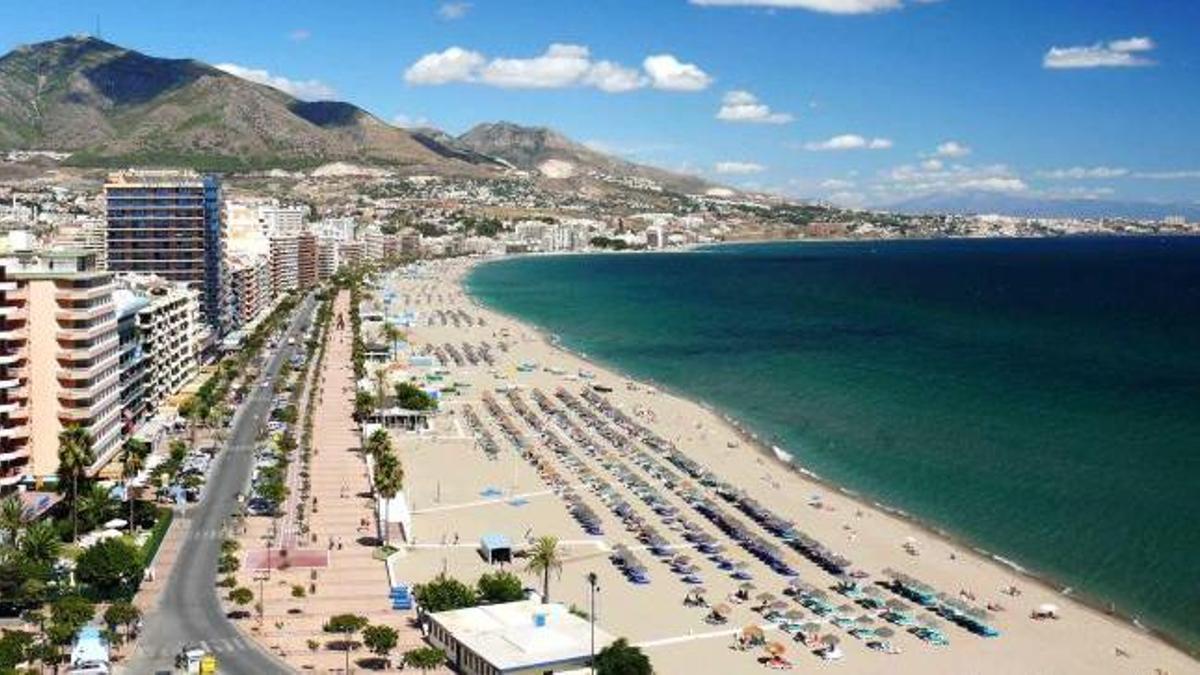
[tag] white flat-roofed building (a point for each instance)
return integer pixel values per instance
(514, 638)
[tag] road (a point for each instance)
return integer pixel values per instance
(188, 610)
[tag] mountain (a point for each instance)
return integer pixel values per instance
(1008, 204)
(114, 106)
(542, 150)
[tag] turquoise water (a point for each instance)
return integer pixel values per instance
(1039, 398)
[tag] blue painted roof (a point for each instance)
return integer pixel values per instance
(494, 541)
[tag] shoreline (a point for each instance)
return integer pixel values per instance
(1068, 594)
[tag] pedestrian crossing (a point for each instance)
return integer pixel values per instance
(171, 649)
(201, 534)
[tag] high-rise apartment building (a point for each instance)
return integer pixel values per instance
(249, 287)
(285, 260)
(169, 223)
(60, 361)
(169, 331)
(307, 261)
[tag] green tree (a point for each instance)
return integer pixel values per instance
(545, 557)
(194, 412)
(389, 480)
(12, 518)
(364, 403)
(133, 459)
(15, 646)
(424, 658)
(347, 625)
(381, 640)
(410, 397)
(241, 596)
(40, 545)
(622, 658)
(393, 334)
(111, 568)
(75, 455)
(500, 586)
(444, 593)
(96, 506)
(72, 611)
(122, 614)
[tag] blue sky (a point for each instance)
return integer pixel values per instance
(842, 99)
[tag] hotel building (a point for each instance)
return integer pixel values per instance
(169, 223)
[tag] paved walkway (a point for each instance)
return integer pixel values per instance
(299, 601)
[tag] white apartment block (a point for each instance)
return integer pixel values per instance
(170, 331)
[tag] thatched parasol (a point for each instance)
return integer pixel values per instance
(776, 648)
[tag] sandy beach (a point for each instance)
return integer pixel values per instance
(449, 476)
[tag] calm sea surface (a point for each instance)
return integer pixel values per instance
(1039, 398)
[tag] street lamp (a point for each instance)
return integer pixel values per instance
(592, 580)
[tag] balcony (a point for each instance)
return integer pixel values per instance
(14, 312)
(87, 373)
(76, 294)
(94, 331)
(8, 286)
(15, 334)
(12, 478)
(19, 293)
(9, 384)
(21, 453)
(81, 353)
(9, 359)
(84, 313)
(20, 431)
(9, 408)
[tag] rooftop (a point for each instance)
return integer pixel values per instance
(505, 635)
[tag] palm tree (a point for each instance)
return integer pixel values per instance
(133, 458)
(12, 518)
(389, 479)
(95, 504)
(75, 455)
(40, 544)
(192, 411)
(393, 334)
(544, 557)
(214, 418)
(380, 386)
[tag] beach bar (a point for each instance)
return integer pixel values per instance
(515, 638)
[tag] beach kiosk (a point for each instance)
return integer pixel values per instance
(495, 548)
(515, 638)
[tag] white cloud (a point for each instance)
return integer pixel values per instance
(849, 142)
(994, 184)
(1126, 53)
(299, 35)
(1168, 175)
(453, 65)
(742, 106)
(669, 73)
(409, 122)
(1079, 192)
(613, 77)
(304, 89)
(837, 184)
(952, 149)
(825, 6)
(740, 168)
(452, 11)
(1081, 172)
(932, 165)
(560, 66)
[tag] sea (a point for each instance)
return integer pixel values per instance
(1038, 399)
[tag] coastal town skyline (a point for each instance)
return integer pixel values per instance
(861, 103)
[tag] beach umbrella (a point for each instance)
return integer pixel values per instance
(793, 615)
(752, 632)
(779, 605)
(845, 609)
(765, 598)
(884, 632)
(811, 628)
(865, 620)
(873, 591)
(831, 640)
(896, 605)
(776, 648)
(747, 586)
(721, 610)
(699, 590)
